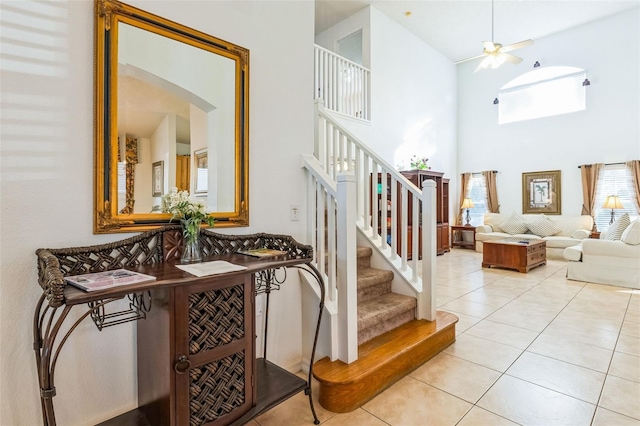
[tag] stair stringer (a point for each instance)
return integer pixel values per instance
(328, 344)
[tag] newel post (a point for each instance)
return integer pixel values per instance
(346, 269)
(427, 298)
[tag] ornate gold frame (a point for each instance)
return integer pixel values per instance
(107, 15)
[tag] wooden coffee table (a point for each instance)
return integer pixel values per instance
(514, 254)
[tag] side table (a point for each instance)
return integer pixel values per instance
(595, 234)
(457, 238)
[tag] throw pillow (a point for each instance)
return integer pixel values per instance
(631, 235)
(614, 233)
(542, 226)
(514, 225)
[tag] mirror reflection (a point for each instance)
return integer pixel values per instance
(167, 112)
(171, 111)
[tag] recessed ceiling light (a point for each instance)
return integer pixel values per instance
(407, 13)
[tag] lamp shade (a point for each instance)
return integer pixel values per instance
(612, 202)
(467, 204)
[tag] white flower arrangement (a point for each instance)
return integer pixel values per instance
(182, 207)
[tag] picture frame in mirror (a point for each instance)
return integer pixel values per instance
(157, 179)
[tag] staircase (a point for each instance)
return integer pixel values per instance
(379, 310)
(374, 336)
(391, 342)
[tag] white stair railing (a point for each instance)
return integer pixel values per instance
(344, 85)
(338, 151)
(332, 234)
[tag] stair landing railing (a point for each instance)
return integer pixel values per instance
(342, 84)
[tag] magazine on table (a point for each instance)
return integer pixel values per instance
(263, 252)
(108, 279)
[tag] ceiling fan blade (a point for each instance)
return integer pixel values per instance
(489, 46)
(511, 58)
(518, 45)
(486, 62)
(470, 59)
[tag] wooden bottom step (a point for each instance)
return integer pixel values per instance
(381, 362)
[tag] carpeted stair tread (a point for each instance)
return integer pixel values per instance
(364, 251)
(363, 256)
(380, 309)
(373, 283)
(368, 277)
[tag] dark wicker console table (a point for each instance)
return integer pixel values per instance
(196, 335)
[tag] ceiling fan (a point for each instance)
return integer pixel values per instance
(495, 54)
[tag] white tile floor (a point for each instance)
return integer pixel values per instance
(531, 349)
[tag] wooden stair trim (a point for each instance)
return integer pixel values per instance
(381, 362)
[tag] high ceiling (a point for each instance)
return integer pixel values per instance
(457, 28)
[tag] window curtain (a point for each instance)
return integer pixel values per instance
(464, 185)
(634, 166)
(590, 174)
(492, 191)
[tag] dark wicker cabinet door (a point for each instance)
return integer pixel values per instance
(214, 355)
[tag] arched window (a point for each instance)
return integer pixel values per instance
(542, 93)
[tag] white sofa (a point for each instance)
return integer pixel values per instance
(573, 229)
(607, 262)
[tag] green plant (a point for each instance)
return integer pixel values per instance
(419, 163)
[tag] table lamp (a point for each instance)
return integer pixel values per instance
(467, 204)
(612, 202)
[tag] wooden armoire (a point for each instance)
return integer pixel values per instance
(442, 208)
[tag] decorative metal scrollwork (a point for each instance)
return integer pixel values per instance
(139, 306)
(267, 280)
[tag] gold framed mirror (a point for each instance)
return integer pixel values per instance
(163, 92)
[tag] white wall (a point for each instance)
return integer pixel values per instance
(360, 20)
(607, 131)
(46, 182)
(413, 93)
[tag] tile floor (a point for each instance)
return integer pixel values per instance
(531, 349)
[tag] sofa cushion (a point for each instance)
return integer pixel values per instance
(581, 234)
(525, 237)
(614, 233)
(514, 225)
(490, 236)
(542, 226)
(573, 253)
(556, 241)
(612, 249)
(631, 235)
(570, 224)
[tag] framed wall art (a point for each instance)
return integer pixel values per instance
(157, 179)
(541, 192)
(202, 172)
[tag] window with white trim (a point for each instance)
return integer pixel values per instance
(477, 191)
(542, 93)
(614, 179)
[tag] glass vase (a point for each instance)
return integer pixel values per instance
(191, 241)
